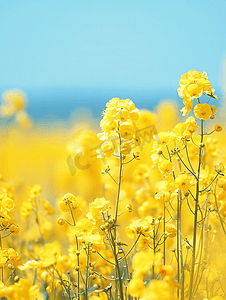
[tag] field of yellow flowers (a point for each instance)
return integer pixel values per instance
(133, 210)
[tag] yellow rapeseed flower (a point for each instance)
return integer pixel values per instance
(125, 148)
(165, 167)
(202, 111)
(193, 84)
(108, 148)
(70, 202)
(126, 130)
(183, 182)
(188, 103)
(97, 206)
(138, 227)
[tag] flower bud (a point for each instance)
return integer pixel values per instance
(60, 221)
(10, 266)
(159, 152)
(102, 227)
(217, 127)
(129, 208)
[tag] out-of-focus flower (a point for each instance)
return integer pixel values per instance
(23, 119)
(166, 271)
(35, 191)
(48, 207)
(158, 289)
(30, 264)
(143, 261)
(14, 100)
(22, 290)
(171, 231)
(14, 228)
(14, 103)
(136, 287)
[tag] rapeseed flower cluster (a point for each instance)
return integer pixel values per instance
(119, 118)
(136, 211)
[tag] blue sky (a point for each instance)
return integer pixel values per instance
(66, 54)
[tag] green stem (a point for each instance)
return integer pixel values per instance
(73, 219)
(178, 243)
(178, 231)
(198, 280)
(119, 186)
(180, 260)
(153, 266)
(87, 274)
(188, 158)
(62, 281)
(2, 271)
(180, 246)
(114, 236)
(37, 220)
(190, 295)
(127, 266)
(118, 279)
(134, 244)
(78, 281)
(164, 230)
